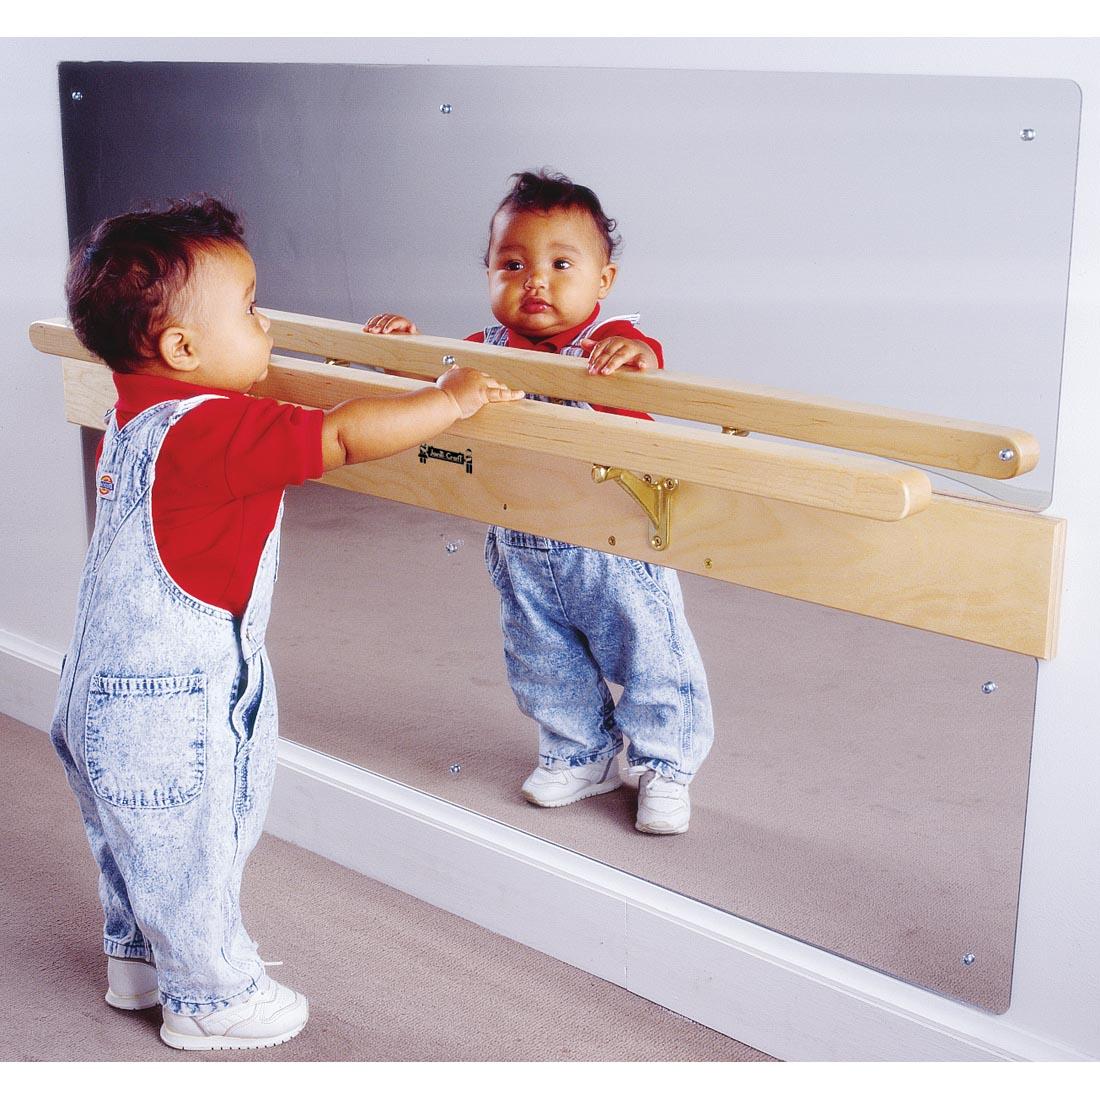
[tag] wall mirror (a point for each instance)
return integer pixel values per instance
(894, 240)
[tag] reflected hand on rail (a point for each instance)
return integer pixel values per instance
(390, 324)
(615, 352)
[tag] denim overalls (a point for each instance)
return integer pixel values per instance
(166, 723)
(574, 619)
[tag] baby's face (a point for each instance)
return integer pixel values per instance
(547, 270)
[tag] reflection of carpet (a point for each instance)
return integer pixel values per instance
(863, 794)
(389, 978)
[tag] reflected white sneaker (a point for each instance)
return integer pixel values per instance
(664, 805)
(561, 785)
(271, 1016)
(131, 984)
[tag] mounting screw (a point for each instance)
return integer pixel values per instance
(1027, 134)
(449, 360)
(707, 563)
(445, 108)
(77, 95)
(989, 687)
(968, 959)
(455, 769)
(610, 540)
(1007, 455)
(656, 542)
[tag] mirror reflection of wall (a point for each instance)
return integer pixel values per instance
(892, 240)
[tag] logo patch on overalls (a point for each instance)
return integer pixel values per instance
(106, 485)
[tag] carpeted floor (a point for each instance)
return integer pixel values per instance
(389, 978)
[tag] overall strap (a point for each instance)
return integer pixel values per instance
(497, 335)
(586, 334)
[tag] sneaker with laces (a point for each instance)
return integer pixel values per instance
(269, 1017)
(561, 784)
(664, 806)
(131, 984)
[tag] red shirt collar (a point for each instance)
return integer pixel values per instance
(138, 392)
(551, 343)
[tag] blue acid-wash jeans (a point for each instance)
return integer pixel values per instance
(575, 620)
(166, 723)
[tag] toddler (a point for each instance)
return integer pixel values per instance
(576, 619)
(166, 716)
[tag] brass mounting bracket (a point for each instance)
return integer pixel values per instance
(652, 493)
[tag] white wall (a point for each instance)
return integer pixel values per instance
(1057, 979)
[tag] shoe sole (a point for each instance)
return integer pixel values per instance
(132, 1003)
(600, 788)
(224, 1042)
(661, 828)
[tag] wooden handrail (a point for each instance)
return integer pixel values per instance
(919, 438)
(857, 486)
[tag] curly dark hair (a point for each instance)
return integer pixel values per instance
(126, 276)
(545, 191)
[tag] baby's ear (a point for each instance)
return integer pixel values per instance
(607, 279)
(175, 350)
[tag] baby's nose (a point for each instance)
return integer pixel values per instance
(536, 277)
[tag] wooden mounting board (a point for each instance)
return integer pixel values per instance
(975, 571)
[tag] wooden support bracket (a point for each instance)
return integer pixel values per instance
(654, 494)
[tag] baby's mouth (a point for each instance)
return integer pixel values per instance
(534, 305)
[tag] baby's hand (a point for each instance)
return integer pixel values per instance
(390, 324)
(470, 389)
(614, 352)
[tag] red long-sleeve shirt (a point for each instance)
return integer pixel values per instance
(220, 476)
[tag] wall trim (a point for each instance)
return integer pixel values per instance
(28, 679)
(23, 649)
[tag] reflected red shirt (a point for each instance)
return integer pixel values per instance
(554, 345)
(220, 476)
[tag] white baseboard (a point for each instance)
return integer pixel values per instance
(780, 996)
(28, 679)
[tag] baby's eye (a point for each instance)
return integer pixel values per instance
(513, 265)
(562, 265)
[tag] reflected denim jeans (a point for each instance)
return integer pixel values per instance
(575, 620)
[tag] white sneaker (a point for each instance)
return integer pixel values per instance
(561, 785)
(664, 805)
(271, 1016)
(131, 984)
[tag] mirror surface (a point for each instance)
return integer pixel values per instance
(892, 240)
